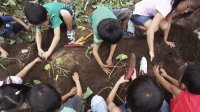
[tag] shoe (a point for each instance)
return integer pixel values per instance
(143, 66)
(71, 36)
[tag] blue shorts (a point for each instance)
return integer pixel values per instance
(140, 20)
(7, 19)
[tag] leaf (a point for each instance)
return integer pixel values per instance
(12, 42)
(122, 57)
(37, 82)
(87, 93)
(59, 61)
(47, 67)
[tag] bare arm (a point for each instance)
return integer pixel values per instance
(78, 84)
(171, 79)
(150, 33)
(96, 54)
(112, 51)
(38, 39)
(110, 100)
(20, 22)
(25, 70)
(168, 86)
(69, 94)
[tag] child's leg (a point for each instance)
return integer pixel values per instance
(24, 71)
(66, 14)
(98, 104)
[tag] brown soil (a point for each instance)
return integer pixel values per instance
(187, 50)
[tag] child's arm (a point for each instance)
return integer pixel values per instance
(69, 94)
(38, 39)
(54, 43)
(78, 84)
(4, 53)
(21, 22)
(112, 50)
(98, 59)
(150, 33)
(110, 100)
(168, 86)
(172, 80)
(24, 71)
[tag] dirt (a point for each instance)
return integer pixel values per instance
(187, 50)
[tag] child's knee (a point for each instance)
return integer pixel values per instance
(164, 25)
(65, 13)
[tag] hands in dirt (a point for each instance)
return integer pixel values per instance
(122, 80)
(43, 54)
(106, 69)
(159, 71)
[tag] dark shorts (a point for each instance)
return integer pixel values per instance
(73, 103)
(70, 11)
(140, 20)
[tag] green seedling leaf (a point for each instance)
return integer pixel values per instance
(47, 67)
(37, 82)
(122, 57)
(59, 61)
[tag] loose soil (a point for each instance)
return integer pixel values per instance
(187, 50)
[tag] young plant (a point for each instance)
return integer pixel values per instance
(47, 67)
(120, 58)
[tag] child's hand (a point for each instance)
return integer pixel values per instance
(27, 27)
(73, 91)
(40, 52)
(106, 69)
(122, 80)
(45, 55)
(134, 74)
(171, 44)
(163, 72)
(38, 59)
(156, 70)
(4, 54)
(75, 77)
(151, 53)
(109, 62)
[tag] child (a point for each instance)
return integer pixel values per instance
(143, 95)
(186, 93)
(50, 14)
(17, 79)
(149, 15)
(9, 26)
(12, 98)
(42, 92)
(107, 28)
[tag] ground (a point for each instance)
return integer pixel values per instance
(187, 50)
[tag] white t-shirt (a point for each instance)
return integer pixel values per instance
(150, 7)
(15, 80)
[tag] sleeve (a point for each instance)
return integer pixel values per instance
(7, 19)
(38, 27)
(14, 80)
(56, 21)
(163, 9)
(97, 40)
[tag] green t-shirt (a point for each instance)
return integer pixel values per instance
(66, 109)
(102, 12)
(53, 10)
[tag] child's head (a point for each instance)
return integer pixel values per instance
(144, 95)
(36, 14)
(188, 4)
(44, 98)
(191, 79)
(11, 96)
(110, 30)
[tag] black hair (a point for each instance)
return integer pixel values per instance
(12, 96)
(1, 22)
(110, 30)
(175, 4)
(144, 95)
(191, 79)
(35, 13)
(44, 98)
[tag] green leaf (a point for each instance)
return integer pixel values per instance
(122, 57)
(59, 61)
(87, 93)
(47, 67)
(37, 82)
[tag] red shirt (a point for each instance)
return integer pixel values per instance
(185, 102)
